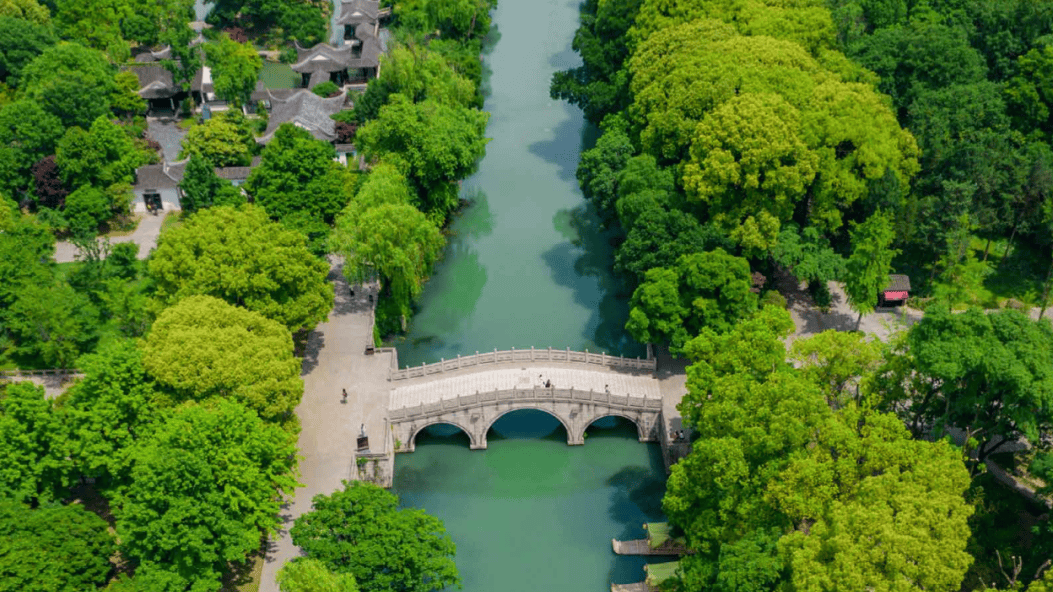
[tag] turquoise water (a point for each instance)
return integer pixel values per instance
(531, 513)
(528, 266)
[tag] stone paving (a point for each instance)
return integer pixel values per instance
(528, 377)
(335, 359)
(145, 235)
(166, 132)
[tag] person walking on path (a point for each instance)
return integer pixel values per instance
(345, 396)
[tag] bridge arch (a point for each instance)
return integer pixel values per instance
(637, 422)
(562, 421)
(411, 444)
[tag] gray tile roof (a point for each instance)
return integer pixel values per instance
(357, 11)
(322, 58)
(155, 82)
(159, 176)
(306, 110)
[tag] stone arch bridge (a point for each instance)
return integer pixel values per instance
(473, 393)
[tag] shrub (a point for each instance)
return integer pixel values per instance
(326, 89)
(86, 208)
(773, 298)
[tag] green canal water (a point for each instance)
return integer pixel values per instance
(527, 265)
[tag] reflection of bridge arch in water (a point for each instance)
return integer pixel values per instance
(474, 401)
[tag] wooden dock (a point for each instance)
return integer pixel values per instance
(637, 587)
(643, 547)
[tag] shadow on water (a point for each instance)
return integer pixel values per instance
(562, 149)
(422, 478)
(527, 424)
(583, 263)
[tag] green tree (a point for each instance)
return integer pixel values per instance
(598, 168)
(49, 78)
(311, 575)
(52, 323)
(53, 548)
(434, 144)
(708, 289)
(101, 156)
(20, 41)
(226, 140)
(202, 188)
(417, 73)
(87, 208)
(240, 256)
(988, 374)
(360, 530)
(206, 485)
(298, 173)
(107, 412)
(27, 134)
(28, 10)
(454, 18)
(659, 237)
(202, 348)
(807, 254)
(750, 162)
(600, 86)
(301, 20)
(235, 69)
(867, 269)
(835, 360)
(393, 241)
(31, 448)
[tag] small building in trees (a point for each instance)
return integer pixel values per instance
(897, 291)
(157, 86)
(157, 185)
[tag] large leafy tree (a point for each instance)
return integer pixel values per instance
(51, 77)
(867, 268)
(360, 530)
(106, 413)
(28, 133)
(206, 485)
(203, 348)
(598, 168)
(202, 188)
(434, 144)
(453, 18)
(303, 20)
(417, 73)
(380, 234)
(781, 490)
(52, 323)
(226, 139)
(28, 10)
(242, 257)
(659, 236)
(297, 173)
(21, 41)
(53, 548)
(988, 374)
(707, 289)
(750, 164)
(32, 460)
(235, 69)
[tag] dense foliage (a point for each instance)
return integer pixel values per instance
(361, 531)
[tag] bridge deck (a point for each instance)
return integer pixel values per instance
(449, 388)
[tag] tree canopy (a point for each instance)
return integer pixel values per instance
(235, 69)
(31, 450)
(49, 78)
(202, 348)
(53, 548)
(207, 483)
(360, 530)
(240, 256)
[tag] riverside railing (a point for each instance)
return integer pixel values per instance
(532, 395)
(525, 355)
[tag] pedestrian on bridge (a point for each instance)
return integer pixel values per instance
(344, 400)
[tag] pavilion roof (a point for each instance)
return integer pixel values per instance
(306, 110)
(898, 283)
(155, 81)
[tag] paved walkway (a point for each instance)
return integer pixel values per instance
(145, 235)
(166, 132)
(335, 359)
(486, 379)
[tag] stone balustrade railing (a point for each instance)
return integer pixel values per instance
(525, 355)
(532, 395)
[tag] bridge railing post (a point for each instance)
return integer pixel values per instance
(531, 353)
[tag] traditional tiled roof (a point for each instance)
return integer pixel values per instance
(322, 58)
(159, 176)
(898, 283)
(306, 110)
(358, 11)
(155, 82)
